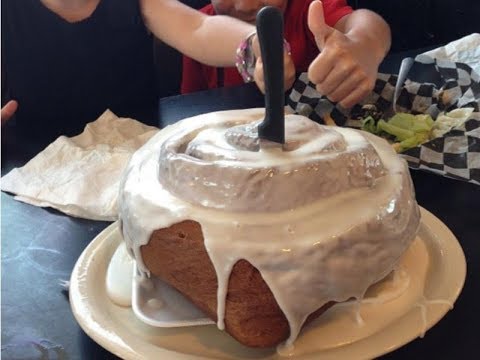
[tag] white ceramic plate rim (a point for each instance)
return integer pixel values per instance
(118, 340)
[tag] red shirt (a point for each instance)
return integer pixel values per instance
(197, 76)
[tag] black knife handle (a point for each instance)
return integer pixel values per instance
(270, 36)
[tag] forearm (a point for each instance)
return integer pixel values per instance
(367, 29)
(212, 40)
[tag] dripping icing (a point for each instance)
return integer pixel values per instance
(145, 206)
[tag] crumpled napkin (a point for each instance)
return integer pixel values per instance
(465, 50)
(80, 175)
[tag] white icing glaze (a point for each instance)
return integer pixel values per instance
(331, 249)
(222, 167)
(155, 304)
(423, 304)
(118, 282)
(384, 304)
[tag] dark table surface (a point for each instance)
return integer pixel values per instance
(40, 247)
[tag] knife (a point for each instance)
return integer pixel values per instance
(271, 131)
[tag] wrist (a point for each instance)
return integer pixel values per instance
(246, 59)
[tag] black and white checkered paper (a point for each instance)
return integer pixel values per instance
(456, 154)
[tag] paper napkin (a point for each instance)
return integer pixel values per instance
(80, 175)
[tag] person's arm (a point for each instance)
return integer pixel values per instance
(212, 40)
(346, 69)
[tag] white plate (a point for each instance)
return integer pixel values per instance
(118, 330)
(175, 310)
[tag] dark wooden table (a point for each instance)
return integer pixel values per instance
(41, 246)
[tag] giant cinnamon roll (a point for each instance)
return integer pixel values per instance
(265, 239)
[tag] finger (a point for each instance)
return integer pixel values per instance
(321, 66)
(316, 23)
(360, 92)
(347, 86)
(258, 75)
(336, 77)
(289, 71)
(8, 111)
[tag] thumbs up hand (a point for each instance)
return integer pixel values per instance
(345, 70)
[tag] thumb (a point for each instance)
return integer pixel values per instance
(316, 23)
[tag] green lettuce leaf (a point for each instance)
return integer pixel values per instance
(400, 133)
(411, 142)
(368, 124)
(406, 129)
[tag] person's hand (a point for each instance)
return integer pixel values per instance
(8, 111)
(345, 71)
(288, 68)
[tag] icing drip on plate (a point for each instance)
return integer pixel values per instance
(322, 219)
(401, 292)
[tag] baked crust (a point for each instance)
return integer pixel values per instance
(177, 255)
